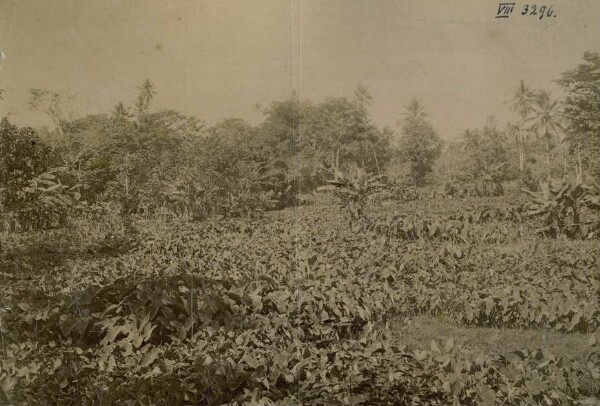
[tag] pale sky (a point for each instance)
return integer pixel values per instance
(219, 58)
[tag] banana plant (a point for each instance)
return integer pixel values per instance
(356, 190)
(560, 204)
(186, 196)
(47, 200)
(489, 183)
(591, 200)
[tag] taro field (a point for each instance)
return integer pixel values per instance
(423, 304)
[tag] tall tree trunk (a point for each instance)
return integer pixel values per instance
(548, 158)
(362, 157)
(579, 168)
(376, 161)
(521, 157)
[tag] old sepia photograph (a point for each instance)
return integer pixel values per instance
(299, 202)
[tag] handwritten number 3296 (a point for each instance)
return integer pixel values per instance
(543, 11)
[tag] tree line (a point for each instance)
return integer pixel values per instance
(161, 162)
(548, 139)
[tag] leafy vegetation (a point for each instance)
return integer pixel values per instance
(563, 208)
(293, 312)
(149, 259)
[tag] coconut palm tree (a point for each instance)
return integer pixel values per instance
(521, 133)
(523, 103)
(145, 96)
(470, 140)
(415, 110)
(546, 122)
(572, 143)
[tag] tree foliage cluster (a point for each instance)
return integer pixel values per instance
(161, 162)
(480, 159)
(581, 107)
(420, 145)
(166, 163)
(549, 138)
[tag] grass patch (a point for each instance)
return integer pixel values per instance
(420, 330)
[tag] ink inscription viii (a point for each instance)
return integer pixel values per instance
(538, 11)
